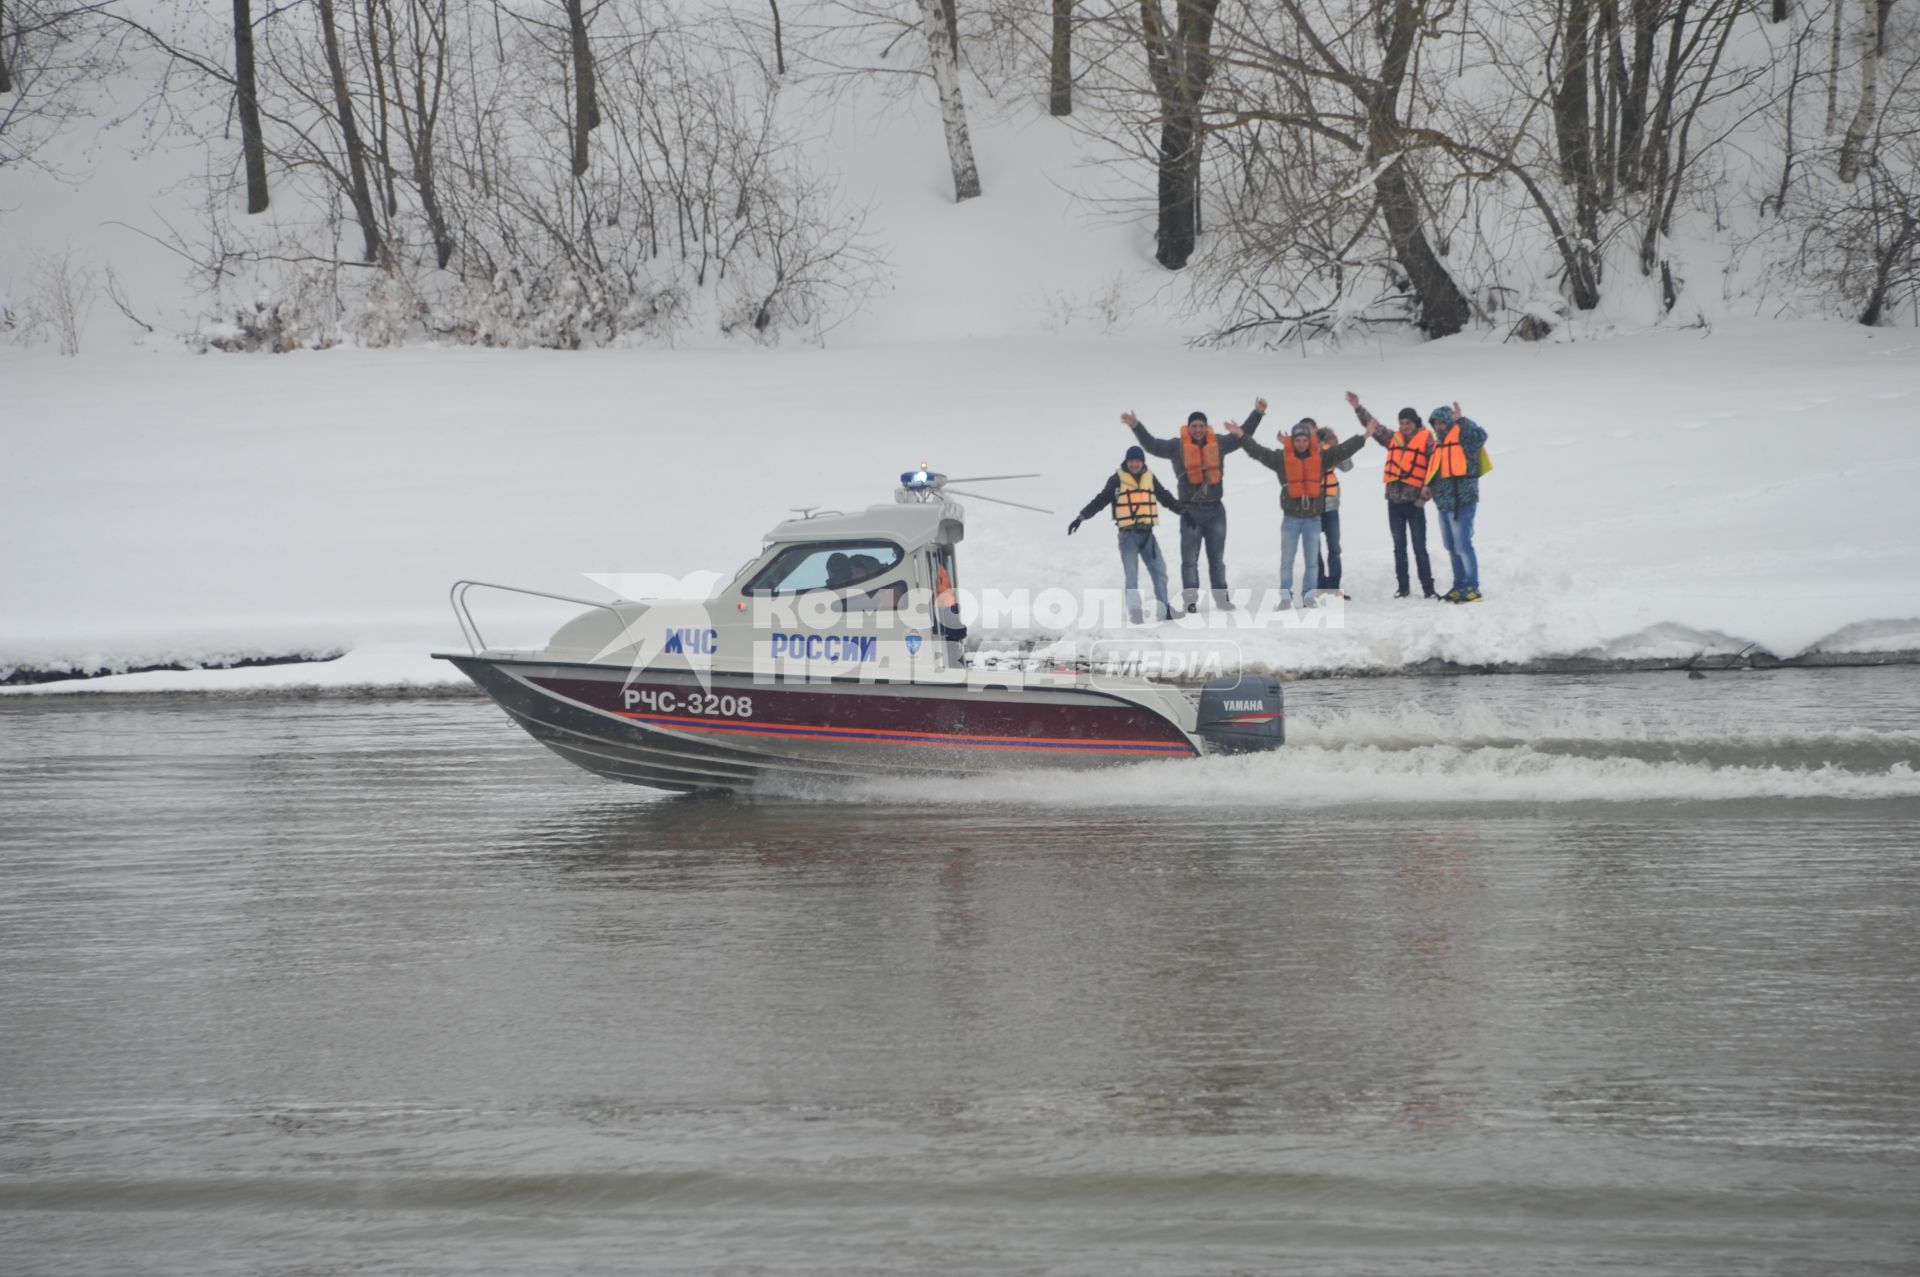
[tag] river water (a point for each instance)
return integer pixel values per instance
(1479, 975)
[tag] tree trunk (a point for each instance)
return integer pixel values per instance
(1833, 70)
(1633, 106)
(779, 41)
(586, 100)
(1060, 80)
(1786, 160)
(1178, 231)
(385, 178)
(953, 109)
(1572, 121)
(358, 191)
(1862, 123)
(1180, 64)
(426, 111)
(1443, 307)
(253, 149)
(6, 77)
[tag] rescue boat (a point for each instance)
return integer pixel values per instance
(836, 652)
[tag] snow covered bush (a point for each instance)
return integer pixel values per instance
(60, 296)
(507, 176)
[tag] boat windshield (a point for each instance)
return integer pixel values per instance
(824, 565)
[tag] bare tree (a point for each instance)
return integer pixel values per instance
(1060, 61)
(53, 55)
(953, 109)
(247, 101)
(1179, 65)
(1861, 125)
(1304, 61)
(358, 189)
(586, 110)
(1443, 308)
(417, 66)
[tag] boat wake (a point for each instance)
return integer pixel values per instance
(1409, 756)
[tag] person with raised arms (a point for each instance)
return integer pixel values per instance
(1302, 466)
(1409, 453)
(1199, 456)
(1136, 497)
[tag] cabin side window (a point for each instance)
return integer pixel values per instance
(830, 565)
(946, 599)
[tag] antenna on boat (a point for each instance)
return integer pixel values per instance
(1018, 505)
(926, 485)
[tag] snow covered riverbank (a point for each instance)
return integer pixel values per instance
(1655, 495)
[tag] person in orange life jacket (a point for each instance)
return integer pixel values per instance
(1409, 450)
(1302, 466)
(1136, 497)
(1198, 454)
(1330, 521)
(1453, 479)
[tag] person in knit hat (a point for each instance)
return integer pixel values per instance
(1198, 455)
(1409, 453)
(1302, 465)
(1453, 479)
(1136, 497)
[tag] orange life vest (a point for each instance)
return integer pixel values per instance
(1408, 458)
(1306, 476)
(1134, 505)
(1449, 456)
(943, 586)
(1202, 459)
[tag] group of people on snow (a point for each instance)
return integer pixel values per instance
(1438, 461)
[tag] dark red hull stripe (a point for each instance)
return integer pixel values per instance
(740, 727)
(1094, 724)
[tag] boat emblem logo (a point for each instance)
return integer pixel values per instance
(913, 644)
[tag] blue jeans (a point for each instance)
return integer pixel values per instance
(1301, 534)
(1330, 565)
(1138, 545)
(1456, 533)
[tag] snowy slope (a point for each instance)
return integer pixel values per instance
(1653, 495)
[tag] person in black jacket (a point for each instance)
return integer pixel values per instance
(1302, 464)
(1136, 497)
(1197, 455)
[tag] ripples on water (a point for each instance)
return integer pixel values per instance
(1484, 975)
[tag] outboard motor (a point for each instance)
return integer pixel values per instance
(1242, 714)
